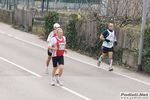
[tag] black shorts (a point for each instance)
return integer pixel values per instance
(59, 59)
(105, 49)
(49, 53)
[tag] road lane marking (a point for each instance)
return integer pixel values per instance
(3, 32)
(9, 34)
(29, 42)
(86, 62)
(20, 67)
(73, 92)
(132, 78)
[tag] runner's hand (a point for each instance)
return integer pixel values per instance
(106, 40)
(55, 48)
(65, 51)
(116, 42)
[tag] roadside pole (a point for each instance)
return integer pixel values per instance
(142, 35)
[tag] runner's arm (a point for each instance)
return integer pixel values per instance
(66, 51)
(50, 36)
(102, 37)
(115, 39)
(53, 42)
(65, 43)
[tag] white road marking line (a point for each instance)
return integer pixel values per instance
(73, 92)
(20, 67)
(30, 42)
(9, 34)
(88, 63)
(132, 78)
(85, 62)
(3, 32)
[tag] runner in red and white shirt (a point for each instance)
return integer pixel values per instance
(50, 36)
(57, 45)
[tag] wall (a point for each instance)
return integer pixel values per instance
(23, 16)
(6, 15)
(129, 58)
(88, 28)
(120, 35)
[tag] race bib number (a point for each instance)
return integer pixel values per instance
(110, 43)
(61, 46)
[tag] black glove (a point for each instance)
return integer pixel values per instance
(106, 40)
(115, 42)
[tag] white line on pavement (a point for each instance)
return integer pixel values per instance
(9, 34)
(79, 95)
(3, 32)
(132, 78)
(20, 67)
(30, 43)
(87, 63)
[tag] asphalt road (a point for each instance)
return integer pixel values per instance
(23, 77)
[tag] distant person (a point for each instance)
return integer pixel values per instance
(50, 36)
(109, 38)
(57, 45)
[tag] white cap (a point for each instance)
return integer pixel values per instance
(56, 25)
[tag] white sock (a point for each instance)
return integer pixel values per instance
(57, 71)
(58, 77)
(100, 58)
(52, 78)
(110, 61)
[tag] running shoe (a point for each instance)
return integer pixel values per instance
(52, 82)
(110, 69)
(98, 64)
(59, 82)
(47, 71)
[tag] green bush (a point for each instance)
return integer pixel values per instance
(71, 34)
(50, 19)
(146, 49)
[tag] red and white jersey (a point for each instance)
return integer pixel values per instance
(60, 44)
(51, 35)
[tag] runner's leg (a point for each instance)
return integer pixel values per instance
(61, 66)
(57, 71)
(60, 70)
(110, 60)
(53, 71)
(54, 59)
(102, 56)
(48, 60)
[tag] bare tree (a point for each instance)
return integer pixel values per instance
(119, 12)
